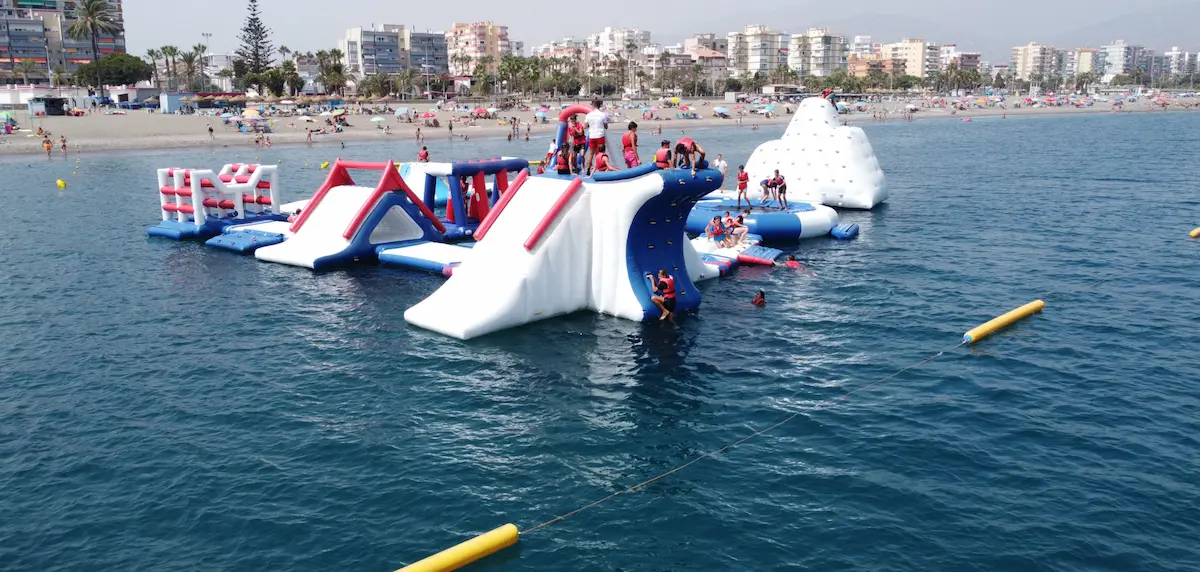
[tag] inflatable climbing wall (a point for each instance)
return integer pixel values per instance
(822, 160)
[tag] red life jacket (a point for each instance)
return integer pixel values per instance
(578, 134)
(662, 158)
(423, 155)
(743, 178)
(716, 230)
(602, 162)
(688, 144)
(793, 264)
(669, 291)
(563, 165)
(627, 141)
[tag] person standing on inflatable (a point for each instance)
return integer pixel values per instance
(743, 181)
(780, 189)
(629, 146)
(597, 123)
(662, 157)
(578, 134)
(664, 286)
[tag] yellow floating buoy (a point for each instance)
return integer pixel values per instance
(62, 184)
(1195, 233)
(458, 556)
(325, 165)
(991, 326)
(74, 172)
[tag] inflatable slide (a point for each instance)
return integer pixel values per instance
(556, 245)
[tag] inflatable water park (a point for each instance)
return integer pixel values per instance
(542, 245)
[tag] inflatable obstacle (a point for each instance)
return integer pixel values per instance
(198, 203)
(823, 161)
(559, 245)
(800, 220)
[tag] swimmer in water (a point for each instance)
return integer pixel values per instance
(794, 264)
(760, 299)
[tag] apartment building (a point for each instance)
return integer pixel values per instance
(1032, 59)
(368, 51)
(756, 49)
(863, 46)
(921, 58)
(817, 52)
(613, 42)
(426, 51)
(709, 41)
(863, 66)
(1118, 58)
(35, 30)
(1178, 62)
(467, 44)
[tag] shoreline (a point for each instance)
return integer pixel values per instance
(94, 134)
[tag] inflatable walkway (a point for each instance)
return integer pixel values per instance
(555, 245)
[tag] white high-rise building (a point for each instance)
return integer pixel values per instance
(1033, 59)
(1117, 58)
(817, 52)
(756, 49)
(1179, 62)
(617, 41)
(367, 51)
(862, 46)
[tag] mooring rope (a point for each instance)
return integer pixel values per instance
(778, 424)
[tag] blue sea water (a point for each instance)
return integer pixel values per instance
(164, 405)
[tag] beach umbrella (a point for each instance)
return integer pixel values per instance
(540, 114)
(226, 115)
(654, 108)
(377, 119)
(721, 110)
(480, 111)
(250, 113)
(402, 111)
(304, 118)
(339, 112)
(543, 109)
(684, 108)
(428, 114)
(287, 102)
(675, 100)
(492, 110)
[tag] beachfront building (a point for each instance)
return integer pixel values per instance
(874, 64)
(714, 65)
(756, 49)
(426, 51)
(1178, 62)
(949, 54)
(468, 44)
(922, 59)
(35, 31)
(612, 42)
(863, 46)
(1079, 61)
(1118, 58)
(1032, 59)
(368, 51)
(817, 52)
(708, 41)
(658, 63)
(567, 47)
(516, 48)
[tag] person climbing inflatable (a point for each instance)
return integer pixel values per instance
(665, 288)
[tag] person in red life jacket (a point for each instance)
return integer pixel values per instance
(735, 232)
(780, 190)
(629, 146)
(794, 264)
(423, 156)
(768, 191)
(728, 220)
(662, 157)
(715, 230)
(760, 299)
(690, 154)
(743, 181)
(578, 134)
(603, 163)
(664, 286)
(563, 163)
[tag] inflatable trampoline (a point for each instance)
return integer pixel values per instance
(800, 220)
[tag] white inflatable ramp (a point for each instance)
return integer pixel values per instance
(436, 257)
(321, 235)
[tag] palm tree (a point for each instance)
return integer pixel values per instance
(188, 59)
(25, 68)
(92, 18)
(284, 52)
(169, 54)
(153, 55)
(225, 74)
(200, 50)
(60, 76)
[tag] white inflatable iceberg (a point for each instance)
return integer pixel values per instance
(821, 160)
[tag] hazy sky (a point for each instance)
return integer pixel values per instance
(992, 28)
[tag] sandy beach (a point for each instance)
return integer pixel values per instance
(144, 130)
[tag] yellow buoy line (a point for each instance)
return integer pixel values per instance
(500, 538)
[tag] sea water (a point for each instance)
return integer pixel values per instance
(168, 405)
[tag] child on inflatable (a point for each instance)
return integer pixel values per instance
(664, 286)
(743, 180)
(715, 230)
(736, 232)
(662, 157)
(603, 163)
